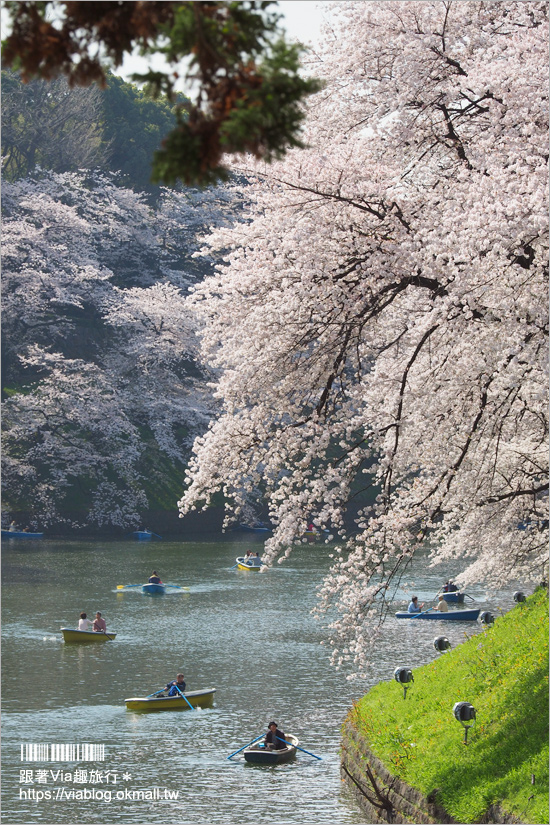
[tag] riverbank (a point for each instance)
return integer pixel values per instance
(406, 759)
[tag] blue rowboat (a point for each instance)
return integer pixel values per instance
(151, 589)
(252, 528)
(450, 616)
(142, 535)
(454, 598)
(20, 534)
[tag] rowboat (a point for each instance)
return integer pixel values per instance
(20, 534)
(260, 755)
(142, 535)
(197, 698)
(252, 528)
(87, 636)
(152, 589)
(315, 535)
(242, 564)
(450, 616)
(454, 598)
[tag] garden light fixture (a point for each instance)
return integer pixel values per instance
(519, 596)
(441, 644)
(403, 675)
(465, 712)
(486, 617)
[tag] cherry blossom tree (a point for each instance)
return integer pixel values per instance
(99, 369)
(69, 438)
(380, 322)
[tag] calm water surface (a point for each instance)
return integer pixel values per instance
(249, 635)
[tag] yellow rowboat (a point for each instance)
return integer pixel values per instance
(197, 698)
(87, 636)
(242, 564)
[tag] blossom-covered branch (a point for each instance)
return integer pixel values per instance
(380, 322)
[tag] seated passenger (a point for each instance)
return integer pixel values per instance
(154, 578)
(84, 623)
(413, 606)
(441, 605)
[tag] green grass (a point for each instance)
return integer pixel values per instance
(503, 672)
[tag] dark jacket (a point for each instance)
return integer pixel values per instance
(275, 739)
(154, 580)
(173, 690)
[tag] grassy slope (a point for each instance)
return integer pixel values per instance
(503, 672)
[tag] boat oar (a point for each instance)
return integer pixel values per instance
(298, 747)
(416, 615)
(155, 694)
(185, 697)
(155, 534)
(123, 586)
(167, 584)
(246, 746)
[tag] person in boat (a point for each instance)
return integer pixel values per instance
(99, 625)
(13, 527)
(154, 578)
(449, 587)
(174, 688)
(84, 623)
(255, 559)
(441, 605)
(414, 607)
(273, 738)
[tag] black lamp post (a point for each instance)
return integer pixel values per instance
(465, 712)
(519, 596)
(486, 617)
(403, 675)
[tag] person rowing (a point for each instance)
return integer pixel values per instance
(177, 687)
(99, 625)
(154, 578)
(273, 738)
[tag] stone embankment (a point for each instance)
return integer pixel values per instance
(384, 797)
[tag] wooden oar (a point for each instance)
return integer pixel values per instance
(185, 697)
(298, 747)
(246, 746)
